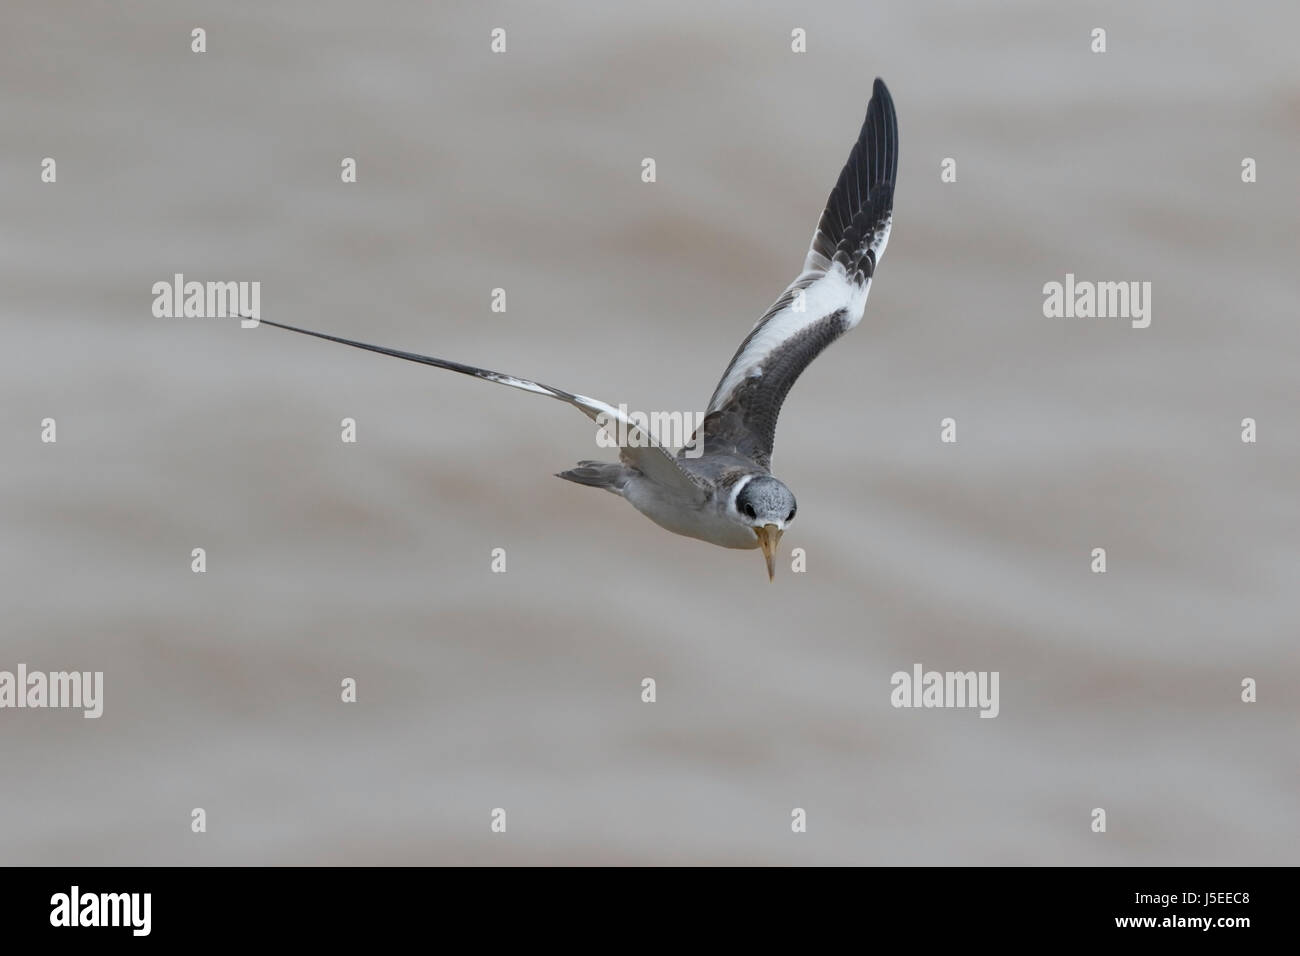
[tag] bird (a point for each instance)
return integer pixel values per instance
(719, 487)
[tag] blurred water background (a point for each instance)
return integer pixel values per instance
(522, 690)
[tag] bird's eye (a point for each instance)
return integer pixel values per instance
(790, 516)
(749, 511)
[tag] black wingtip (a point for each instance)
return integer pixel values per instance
(881, 125)
(863, 196)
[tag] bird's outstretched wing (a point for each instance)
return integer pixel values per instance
(636, 447)
(822, 304)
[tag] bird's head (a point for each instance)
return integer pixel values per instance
(766, 507)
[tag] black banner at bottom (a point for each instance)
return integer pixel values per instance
(304, 905)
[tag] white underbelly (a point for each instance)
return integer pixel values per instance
(681, 517)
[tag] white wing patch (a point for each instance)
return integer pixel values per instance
(522, 383)
(826, 287)
(829, 293)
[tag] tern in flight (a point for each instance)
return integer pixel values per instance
(720, 488)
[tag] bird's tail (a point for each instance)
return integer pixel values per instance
(598, 474)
